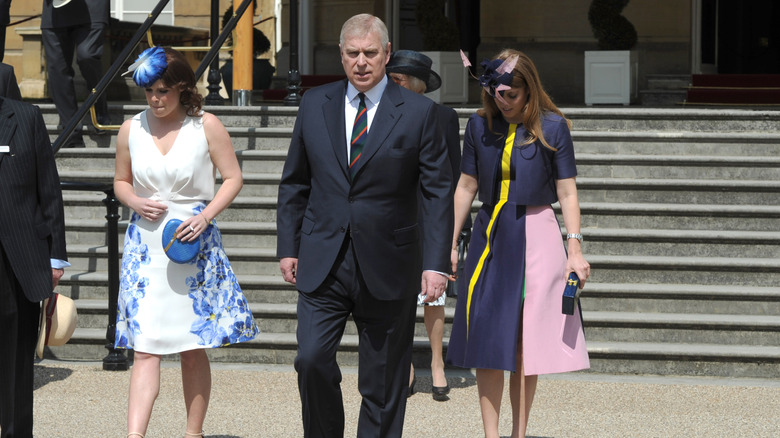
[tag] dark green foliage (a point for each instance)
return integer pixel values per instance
(438, 32)
(613, 30)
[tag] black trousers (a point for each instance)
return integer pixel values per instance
(59, 45)
(18, 336)
(385, 329)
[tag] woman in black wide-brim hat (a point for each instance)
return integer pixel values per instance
(412, 70)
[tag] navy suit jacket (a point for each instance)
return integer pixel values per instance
(32, 225)
(319, 204)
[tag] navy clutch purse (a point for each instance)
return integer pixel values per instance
(175, 249)
(570, 294)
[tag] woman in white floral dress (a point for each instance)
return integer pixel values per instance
(165, 168)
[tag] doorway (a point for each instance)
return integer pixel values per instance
(736, 37)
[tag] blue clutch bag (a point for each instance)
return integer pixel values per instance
(571, 294)
(175, 249)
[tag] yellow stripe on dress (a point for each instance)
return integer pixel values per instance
(506, 159)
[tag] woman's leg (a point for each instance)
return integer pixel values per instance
(434, 324)
(144, 387)
(490, 385)
(521, 393)
(196, 380)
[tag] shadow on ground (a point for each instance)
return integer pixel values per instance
(45, 375)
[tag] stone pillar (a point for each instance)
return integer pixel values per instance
(32, 78)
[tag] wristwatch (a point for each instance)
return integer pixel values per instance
(577, 236)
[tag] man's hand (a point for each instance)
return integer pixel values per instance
(289, 266)
(56, 274)
(433, 285)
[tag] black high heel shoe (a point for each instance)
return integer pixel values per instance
(411, 387)
(440, 392)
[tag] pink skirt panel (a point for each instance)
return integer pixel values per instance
(552, 341)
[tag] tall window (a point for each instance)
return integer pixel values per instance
(138, 11)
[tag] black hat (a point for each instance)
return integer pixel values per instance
(414, 64)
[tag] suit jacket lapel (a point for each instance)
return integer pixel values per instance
(7, 126)
(387, 115)
(333, 111)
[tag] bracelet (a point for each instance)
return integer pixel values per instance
(204, 218)
(577, 236)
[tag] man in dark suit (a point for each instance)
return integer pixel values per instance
(65, 26)
(348, 236)
(32, 253)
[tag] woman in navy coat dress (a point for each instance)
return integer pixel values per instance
(518, 153)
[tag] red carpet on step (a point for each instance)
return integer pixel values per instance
(735, 89)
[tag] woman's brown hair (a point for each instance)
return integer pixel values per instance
(179, 75)
(537, 103)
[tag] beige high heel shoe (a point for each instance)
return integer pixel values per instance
(200, 434)
(134, 434)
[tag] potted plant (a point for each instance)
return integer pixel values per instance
(610, 72)
(262, 70)
(441, 44)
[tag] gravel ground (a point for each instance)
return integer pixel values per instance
(79, 399)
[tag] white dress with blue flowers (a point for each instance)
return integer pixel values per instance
(165, 307)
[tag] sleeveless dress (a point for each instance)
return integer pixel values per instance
(514, 273)
(165, 307)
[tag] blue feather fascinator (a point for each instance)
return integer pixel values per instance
(149, 67)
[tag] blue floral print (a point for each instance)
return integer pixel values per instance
(132, 287)
(216, 295)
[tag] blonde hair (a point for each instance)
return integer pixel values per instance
(538, 101)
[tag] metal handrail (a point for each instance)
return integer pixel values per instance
(116, 359)
(109, 76)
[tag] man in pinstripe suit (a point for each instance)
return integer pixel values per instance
(32, 253)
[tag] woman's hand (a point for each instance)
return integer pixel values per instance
(149, 209)
(192, 228)
(576, 263)
(454, 261)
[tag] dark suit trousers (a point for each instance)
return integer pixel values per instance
(386, 330)
(59, 44)
(18, 335)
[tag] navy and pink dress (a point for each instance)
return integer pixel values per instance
(516, 265)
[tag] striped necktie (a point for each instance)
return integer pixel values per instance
(359, 134)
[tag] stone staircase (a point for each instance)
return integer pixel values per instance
(680, 208)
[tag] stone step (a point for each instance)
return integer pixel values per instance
(670, 119)
(709, 191)
(255, 261)
(681, 298)
(255, 184)
(93, 285)
(678, 216)
(263, 261)
(678, 166)
(682, 143)
(260, 209)
(589, 119)
(731, 271)
(99, 159)
(734, 361)
(234, 234)
(258, 116)
(605, 326)
(667, 81)
(707, 359)
(690, 243)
